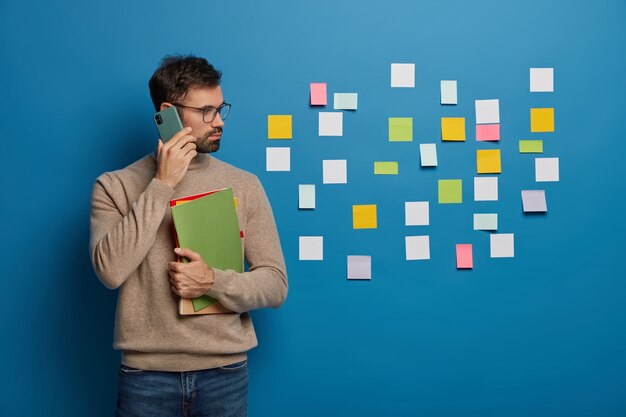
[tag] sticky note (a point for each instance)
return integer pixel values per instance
(364, 216)
(547, 169)
(488, 132)
(416, 213)
(534, 201)
(502, 245)
(453, 128)
(488, 161)
(359, 267)
(487, 111)
(485, 221)
(346, 101)
(541, 80)
(318, 94)
(403, 75)
(417, 248)
(306, 194)
(330, 123)
(448, 92)
(386, 168)
(464, 256)
(400, 129)
(530, 146)
(279, 126)
(428, 154)
(278, 159)
(311, 248)
(485, 188)
(542, 120)
(450, 191)
(335, 171)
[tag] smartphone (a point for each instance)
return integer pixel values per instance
(168, 123)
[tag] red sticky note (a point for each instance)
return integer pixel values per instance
(318, 94)
(488, 132)
(464, 256)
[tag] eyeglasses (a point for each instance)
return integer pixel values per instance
(209, 112)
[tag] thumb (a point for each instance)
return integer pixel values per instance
(159, 146)
(188, 253)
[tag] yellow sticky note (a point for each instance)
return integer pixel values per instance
(364, 217)
(542, 120)
(453, 128)
(279, 126)
(488, 161)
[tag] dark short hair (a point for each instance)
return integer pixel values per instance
(177, 74)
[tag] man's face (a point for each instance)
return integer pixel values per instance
(208, 134)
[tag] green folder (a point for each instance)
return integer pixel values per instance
(209, 226)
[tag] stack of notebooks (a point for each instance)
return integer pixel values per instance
(207, 224)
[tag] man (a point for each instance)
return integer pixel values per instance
(175, 365)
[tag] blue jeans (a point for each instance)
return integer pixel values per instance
(219, 392)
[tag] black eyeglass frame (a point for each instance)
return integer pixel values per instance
(205, 110)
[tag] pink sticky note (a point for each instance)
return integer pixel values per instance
(464, 256)
(487, 132)
(318, 94)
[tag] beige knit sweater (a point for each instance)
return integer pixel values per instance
(132, 242)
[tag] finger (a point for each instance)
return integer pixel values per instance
(178, 136)
(175, 291)
(189, 146)
(174, 266)
(159, 146)
(188, 253)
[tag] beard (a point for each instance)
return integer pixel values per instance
(205, 145)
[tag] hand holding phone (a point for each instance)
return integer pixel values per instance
(173, 156)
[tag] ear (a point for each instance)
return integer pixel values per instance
(165, 105)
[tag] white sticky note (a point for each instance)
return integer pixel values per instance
(542, 80)
(448, 92)
(330, 123)
(306, 194)
(311, 248)
(534, 201)
(416, 213)
(417, 248)
(359, 267)
(487, 111)
(485, 221)
(485, 188)
(346, 101)
(502, 245)
(428, 154)
(546, 169)
(278, 159)
(403, 75)
(335, 171)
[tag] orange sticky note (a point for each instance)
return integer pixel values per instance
(453, 128)
(364, 216)
(542, 120)
(488, 161)
(279, 126)
(318, 94)
(464, 258)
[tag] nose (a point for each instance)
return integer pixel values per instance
(218, 121)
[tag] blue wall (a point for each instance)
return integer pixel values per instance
(540, 334)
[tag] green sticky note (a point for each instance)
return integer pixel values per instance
(346, 101)
(400, 129)
(485, 221)
(386, 168)
(530, 146)
(450, 192)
